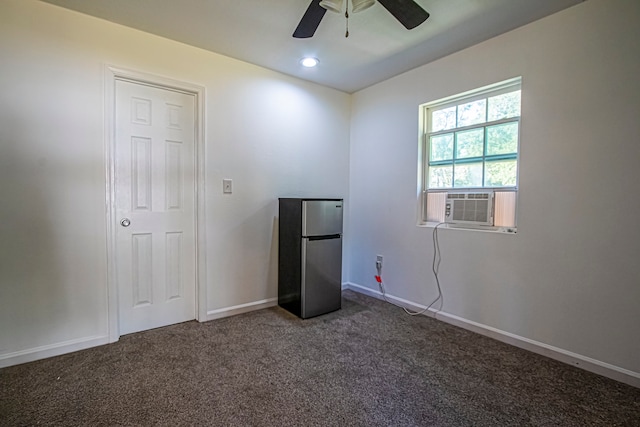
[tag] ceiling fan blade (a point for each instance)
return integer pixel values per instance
(408, 12)
(310, 20)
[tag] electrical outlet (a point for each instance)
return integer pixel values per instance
(379, 262)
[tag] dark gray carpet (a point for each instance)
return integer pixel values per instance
(368, 364)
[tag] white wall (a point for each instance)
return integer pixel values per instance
(569, 278)
(272, 134)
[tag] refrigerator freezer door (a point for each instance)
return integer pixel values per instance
(321, 217)
(321, 276)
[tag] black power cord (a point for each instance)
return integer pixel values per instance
(435, 266)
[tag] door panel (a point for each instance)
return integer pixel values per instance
(155, 191)
(141, 270)
(321, 276)
(321, 217)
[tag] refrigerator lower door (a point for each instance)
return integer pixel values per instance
(321, 276)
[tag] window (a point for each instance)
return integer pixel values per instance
(471, 142)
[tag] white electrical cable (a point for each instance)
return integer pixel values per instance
(435, 266)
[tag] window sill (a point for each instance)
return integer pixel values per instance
(484, 229)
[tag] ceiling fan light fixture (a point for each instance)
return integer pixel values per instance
(309, 62)
(332, 5)
(360, 5)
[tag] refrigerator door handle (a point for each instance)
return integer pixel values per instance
(330, 236)
(303, 277)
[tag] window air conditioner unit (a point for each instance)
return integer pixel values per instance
(469, 208)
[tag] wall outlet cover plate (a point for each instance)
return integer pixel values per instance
(227, 186)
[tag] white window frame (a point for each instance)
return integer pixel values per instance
(510, 193)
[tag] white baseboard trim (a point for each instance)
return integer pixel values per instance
(43, 352)
(592, 365)
(242, 308)
(57, 349)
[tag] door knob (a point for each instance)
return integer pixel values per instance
(125, 222)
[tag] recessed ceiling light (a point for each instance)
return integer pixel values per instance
(309, 62)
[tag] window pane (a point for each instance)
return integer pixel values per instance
(502, 139)
(443, 119)
(468, 175)
(501, 173)
(441, 147)
(472, 113)
(504, 106)
(470, 143)
(440, 176)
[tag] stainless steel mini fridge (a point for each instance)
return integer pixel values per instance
(310, 256)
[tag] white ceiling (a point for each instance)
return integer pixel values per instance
(378, 46)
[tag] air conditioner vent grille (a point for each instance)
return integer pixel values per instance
(482, 196)
(469, 208)
(479, 196)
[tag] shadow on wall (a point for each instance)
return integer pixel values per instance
(245, 255)
(33, 299)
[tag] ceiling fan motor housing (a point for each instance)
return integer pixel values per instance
(332, 5)
(356, 5)
(360, 5)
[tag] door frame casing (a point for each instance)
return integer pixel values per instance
(111, 75)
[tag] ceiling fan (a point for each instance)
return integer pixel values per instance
(408, 12)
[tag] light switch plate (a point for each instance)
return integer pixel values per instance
(227, 186)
